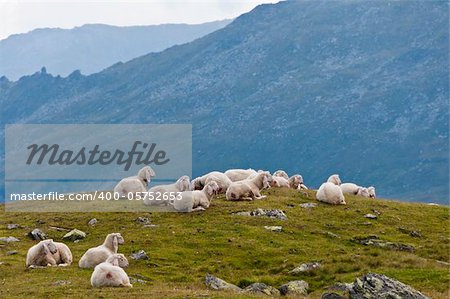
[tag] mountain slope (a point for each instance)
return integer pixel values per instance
(358, 88)
(91, 48)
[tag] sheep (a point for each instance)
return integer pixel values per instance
(330, 193)
(279, 181)
(94, 256)
(296, 181)
(334, 179)
(182, 184)
(249, 189)
(372, 193)
(197, 200)
(364, 192)
(281, 173)
(135, 184)
(110, 273)
(239, 174)
(351, 188)
(221, 179)
(49, 253)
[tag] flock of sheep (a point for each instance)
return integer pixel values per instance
(195, 195)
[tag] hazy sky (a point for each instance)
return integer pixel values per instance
(22, 16)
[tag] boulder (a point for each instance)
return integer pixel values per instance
(37, 234)
(92, 222)
(219, 284)
(74, 235)
(306, 267)
(296, 287)
(140, 255)
(261, 288)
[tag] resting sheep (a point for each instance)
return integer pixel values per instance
(49, 253)
(236, 175)
(197, 200)
(330, 193)
(221, 179)
(182, 184)
(351, 188)
(135, 184)
(94, 256)
(334, 179)
(372, 193)
(296, 182)
(249, 189)
(281, 173)
(110, 273)
(279, 181)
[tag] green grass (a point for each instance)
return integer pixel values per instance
(184, 247)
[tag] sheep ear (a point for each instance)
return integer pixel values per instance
(115, 243)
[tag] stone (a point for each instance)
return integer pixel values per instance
(412, 233)
(332, 296)
(219, 284)
(134, 280)
(274, 228)
(376, 242)
(12, 226)
(296, 287)
(12, 252)
(61, 282)
(37, 234)
(370, 216)
(140, 255)
(308, 205)
(276, 213)
(332, 235)
(306, 267)
(9, 239)
(380, 286)
(142, 220)
(261, 288)
(92, 222)
(74, 235)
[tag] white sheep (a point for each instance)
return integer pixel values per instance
(364, 192)
(135, 184)
(182, 184)
(197, 200)
(296, 182)
(281, 173)
(110, 273)
(279, 181)
(49, 253)
(334, 179)
(330, 193)
(372, 193)
(239, 174)
(249, 189)
(351, 188)
(221, 179)
(99, 254)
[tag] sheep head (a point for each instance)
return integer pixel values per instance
(118, 259)
(146, 173)
(183, 183)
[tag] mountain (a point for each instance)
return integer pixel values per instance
(91, 48)
(358, 88)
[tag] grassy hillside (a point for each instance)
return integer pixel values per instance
(184, 247)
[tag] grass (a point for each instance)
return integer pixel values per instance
(184, 247)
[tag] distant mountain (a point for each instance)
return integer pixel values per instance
(358, 88)
(91, 48)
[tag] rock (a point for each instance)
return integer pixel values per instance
(370, 216)
(134, 280)
(308, 205)
(142, 220)
(261, 288)
(37, 234)
(219, 284)
(296, 287)
(74, 235)
(412, 233)
(376, 242)
(276, 213)
(332, 235)
(92, 222)
(380, 286)
(150, 225)
(61, 282)
(12, 252)
(140, 255)
(305, 268)
(274, 228)
(40, 221)
(332, 296)
(12, 226)
(243, 213)
(9, 239)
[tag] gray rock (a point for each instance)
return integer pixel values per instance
(134, 280)
(296, 287)
(61, 282)
(276, 213)
(261, 288)
(412, 233)
(305, 268)
(274, 228)
(370, 216)
(219, 284)
(74, 235)
(376, 242)
(308, 205)
(142, 220)
(332, 235)
(37, 234)
(92, 222)
(9, 239)
(380, 286)
(332, 296)
(140, 255)
(12, 226)
(12, 252)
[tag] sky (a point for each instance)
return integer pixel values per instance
(22, 16)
